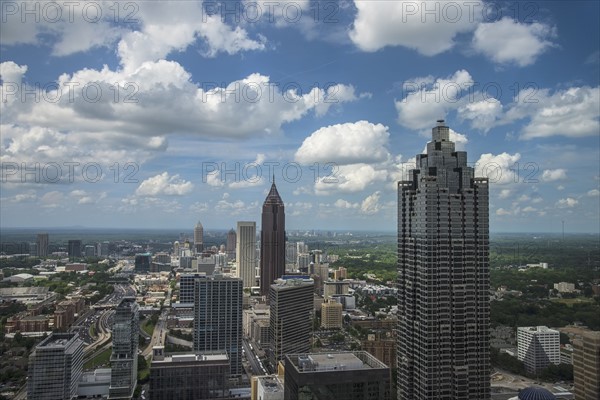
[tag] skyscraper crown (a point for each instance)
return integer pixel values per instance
(273, 196)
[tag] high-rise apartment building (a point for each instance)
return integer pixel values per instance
(245, 252)
(291, 309)
(42, 244)
(186, 287)
(124, 357)
(443, 277)
(586, 365)
(351, 375)
(230, 246)
(538, 347)
(198, 238)
(272, 240)
(55, 367)
(218, 317)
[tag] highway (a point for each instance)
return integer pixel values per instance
(159, 334)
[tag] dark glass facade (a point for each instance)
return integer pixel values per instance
(272, 240)
(443, 277)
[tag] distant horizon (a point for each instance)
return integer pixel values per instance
(190, 229)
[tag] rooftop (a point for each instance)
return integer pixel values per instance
(348, 361)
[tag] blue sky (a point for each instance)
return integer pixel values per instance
(160, 114)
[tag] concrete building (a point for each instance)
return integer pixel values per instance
(564, 287)
(382, 348)
(340, 273)
(272, 240)
(94, 383)
(231, 244)
(267, 387)
(347, 301)
(42, 244)
(352, 375)
(443, 277)
(198, 238)
(124, 357)
(538, 347)
(218, 318)
(245, 253)
(291, 311)
(331, 315)
(55, 367)
(189, 376)
(331, 288)
(586, 365)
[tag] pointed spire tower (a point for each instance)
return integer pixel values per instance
(198, 238)
(272, 240)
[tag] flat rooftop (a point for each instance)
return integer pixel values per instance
(347, 361)
(175, 358)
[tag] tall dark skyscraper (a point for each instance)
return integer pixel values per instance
(42, 245)
(198, 238)
(272, 240)
(74, 248)
(443, 277)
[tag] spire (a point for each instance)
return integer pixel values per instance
(273, 196)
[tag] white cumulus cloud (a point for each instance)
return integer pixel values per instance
(164, 184)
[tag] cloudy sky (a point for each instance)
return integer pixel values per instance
(160, 114)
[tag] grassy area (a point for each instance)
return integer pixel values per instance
(578, 300)
(93, 330)
(148, 326)
(100, 359)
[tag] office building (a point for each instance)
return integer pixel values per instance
(331, 315)
(90, 250)
(272, 240)
(245, 252)
(42, 244)
(291, 312)
(350, 375)
(218, 317)
(538, 347)
(198, 238)
(443, 277)
(55, 367)
(331, 288)
(142, 263)
(74, 248)
(303, 262)
(188, 376)
(103, 249)
(231, 244)
(586, 365)
(124, 357)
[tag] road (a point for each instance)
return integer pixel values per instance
(159, 334)
(255, 364)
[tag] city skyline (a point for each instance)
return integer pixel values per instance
(334, 103)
